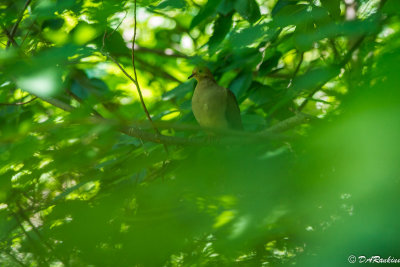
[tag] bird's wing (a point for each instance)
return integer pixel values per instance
(232, 112)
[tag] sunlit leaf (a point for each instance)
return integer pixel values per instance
(208, 10)
(44, 83)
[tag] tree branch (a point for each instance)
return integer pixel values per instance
(19, 103)
(341, 64)
(135, 73)
(10, 38)
(31, 240)
(298, 65)
(289, 123)
(224, 137)
(15, 27)
(136, 78)
(120, 67)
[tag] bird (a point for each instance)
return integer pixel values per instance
(214, 106)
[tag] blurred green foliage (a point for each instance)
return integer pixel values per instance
(76, 189)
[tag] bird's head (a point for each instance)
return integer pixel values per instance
(201, 73)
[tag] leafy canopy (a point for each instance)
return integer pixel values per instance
(103, 164)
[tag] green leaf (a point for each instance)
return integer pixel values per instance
(53, 24)
(281, 4)
(248, 9)
(253, 122)
(333, 7)
(84, 33)
(43, 83)
(180, 91)
(47, 8)
(249, 35)
(269, 63)
(79, 90)
(225, 7)
(208, 10)
(261, 94)
(392, 7)
(221, 27)
(241, 83)
(114, 43)
(292, 15)
(171, 4)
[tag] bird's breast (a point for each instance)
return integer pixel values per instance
(209, 105)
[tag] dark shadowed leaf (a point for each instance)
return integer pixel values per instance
(180, 91)
(208, 10)
(221, 27)
(248, 9)
(333, 6)
(282, 3)
(270, 63)
(240, 84)
(225, 7)
(250, 35)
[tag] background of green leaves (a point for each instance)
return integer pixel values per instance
(76, 191)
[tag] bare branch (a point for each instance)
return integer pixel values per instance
(15, 27)
(19, 103)
(342, 63)
(134, 69)
(116, 28)
(9, 36)
(289, 123)
(121, 68)
(298, 65)
(136, 79)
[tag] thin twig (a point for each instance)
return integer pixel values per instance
(19, 103)
(108, 55)
(342, 63)
(308, 97)
(34, 228)
(15, 27)
(134, 69)
(116, 28)
(288, 123)
(334, 48)
(10, 38)
(136, 78)
(121, 68)
(27, 33)
(31, 240)
(104, 41)
(298, 65)
(321, 101)
(74, 96)
(296, 70)
(349, 54)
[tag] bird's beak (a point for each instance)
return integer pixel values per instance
(191, 76)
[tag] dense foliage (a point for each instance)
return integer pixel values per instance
(90, 175)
